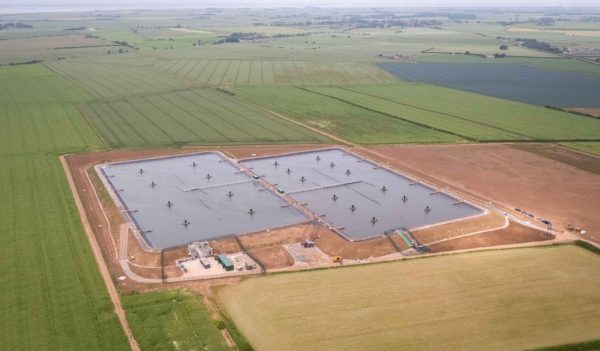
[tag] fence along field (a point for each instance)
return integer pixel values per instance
(348, 121)
(52, 295)
(421, 305)
(232, 72)
(195, 116)
(472, 116)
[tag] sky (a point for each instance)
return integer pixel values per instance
(117, 4)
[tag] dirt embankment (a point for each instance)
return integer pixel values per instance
(225, 246)
(513, 234)
(273, 257)
(334, 245)
(454, 229)
(545, 180)
(280, 236)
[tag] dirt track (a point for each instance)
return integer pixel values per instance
(102, 266)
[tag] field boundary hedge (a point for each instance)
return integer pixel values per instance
(586, 245)
(589, 345)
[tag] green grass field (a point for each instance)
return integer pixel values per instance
(233, 72)
(105, 80)
(469, 115)
(52, 296)
(494, 300)
(44, 48)
(348, 121)
(195, 116)
(173, 320)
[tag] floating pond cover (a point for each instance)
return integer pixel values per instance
(358, 197)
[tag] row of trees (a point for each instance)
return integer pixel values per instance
(12, 25)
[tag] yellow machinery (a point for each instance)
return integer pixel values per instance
(337, 259)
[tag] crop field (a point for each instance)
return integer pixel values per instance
(493, 300)
(152, 39)
(230, 72)
(509, 81)
(172, 320)
(346, 120)
(53, 297)
(103, 80)
(195, 116)
(548, 63)
(468, 115)
(27, 49)
(447, 40)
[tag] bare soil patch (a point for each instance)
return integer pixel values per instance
(513, 234)
(280, 236)
(273, 257)
(267, 150)
(591, 111)
(567, 156)
(225, 246)
(334, 245)
(538, 178)
(138, 255)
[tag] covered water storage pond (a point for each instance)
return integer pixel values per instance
(358, 197)
(179, 199)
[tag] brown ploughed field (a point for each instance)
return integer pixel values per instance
(592, 111)
(546, 180)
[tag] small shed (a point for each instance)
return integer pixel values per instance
(225, 262)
